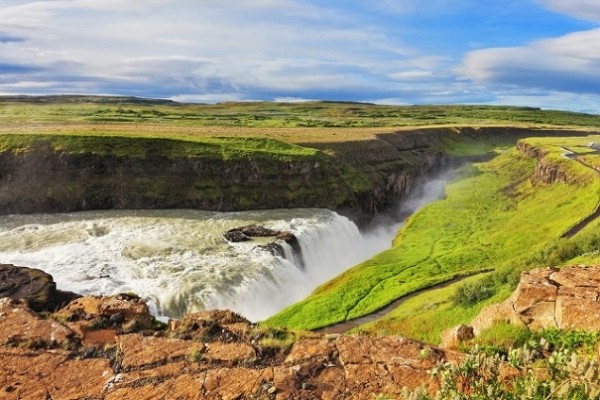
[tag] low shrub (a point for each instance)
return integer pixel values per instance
(472, 292)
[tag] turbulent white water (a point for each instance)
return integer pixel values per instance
(179, 262)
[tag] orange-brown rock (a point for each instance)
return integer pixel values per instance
(129, 313)
(233, 353)
(51, 374)
(217, 367)
(222, 324)
(139, 352)
(452, 337)
(19, 325)
(567, 298)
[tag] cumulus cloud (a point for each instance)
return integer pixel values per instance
(568, 63)
(214, 50)
(187, 47)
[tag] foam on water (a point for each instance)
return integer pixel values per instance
(178, 261)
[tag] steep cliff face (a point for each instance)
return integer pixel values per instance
(44, 179)
(45, 176)
(70, 173)
(546, 170)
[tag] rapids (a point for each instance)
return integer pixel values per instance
(179, 262)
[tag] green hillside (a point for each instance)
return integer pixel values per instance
(496, 216)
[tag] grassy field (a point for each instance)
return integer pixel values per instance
(493, 217)
(311, 121)
(224, 147)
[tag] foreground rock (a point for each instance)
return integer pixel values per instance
(208, 355)
(34, 286)
(567, 298)
(550, 298)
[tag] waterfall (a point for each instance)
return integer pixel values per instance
(329, 247)
(179, 262)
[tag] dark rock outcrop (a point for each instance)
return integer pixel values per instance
(236, 236)
(274, 248)
(34, 286)
(255, 231)
(246, 233)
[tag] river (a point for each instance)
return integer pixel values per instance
(179, 262)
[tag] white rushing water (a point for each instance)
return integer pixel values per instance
(179, 262)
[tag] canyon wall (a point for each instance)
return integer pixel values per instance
(357, 178)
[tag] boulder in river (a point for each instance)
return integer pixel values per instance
(274, 248)
(257, 231)
(236, 236)
(34, 286)
(245, 233)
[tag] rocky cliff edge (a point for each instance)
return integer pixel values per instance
(112, 348)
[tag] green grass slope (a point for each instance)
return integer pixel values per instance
(117, 145)
(493, 217)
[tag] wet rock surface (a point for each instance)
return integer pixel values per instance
(246, 233)
(32, 285)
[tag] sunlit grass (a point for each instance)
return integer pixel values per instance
(494, 217)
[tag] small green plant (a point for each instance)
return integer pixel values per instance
(529, 372)
(158, 325)
(381, 396)
(469, 293)
(98, 323)
(425, 353)
(196, 355)
(503, 335)
(280, 339)
(557, 339)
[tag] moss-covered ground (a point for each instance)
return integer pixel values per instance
(495, 216)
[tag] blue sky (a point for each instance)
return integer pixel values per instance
(543, 53)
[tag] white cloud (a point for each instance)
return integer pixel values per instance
(181, 46)
(567, 63)
(584, 9)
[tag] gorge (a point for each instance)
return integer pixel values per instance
(141, 207)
